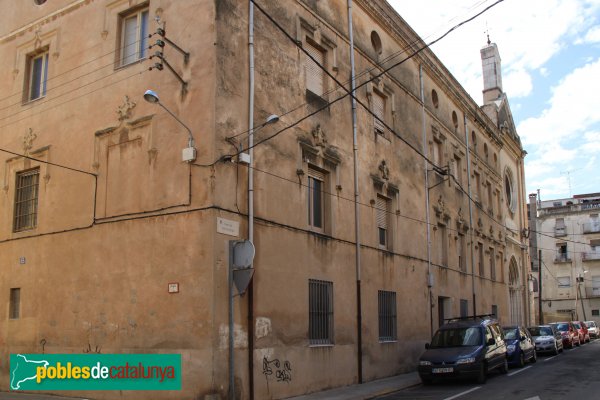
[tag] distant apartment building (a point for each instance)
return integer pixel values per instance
(566, 232)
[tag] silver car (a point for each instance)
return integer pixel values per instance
(547, 339)
(592, 329)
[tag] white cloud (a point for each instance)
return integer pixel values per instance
(572, 110)
(591, 36)
(544, 72)
(520, 82)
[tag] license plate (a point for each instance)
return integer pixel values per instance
(442, 370)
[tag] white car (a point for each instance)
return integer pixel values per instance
(592, 329)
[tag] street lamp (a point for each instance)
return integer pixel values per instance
(188, 154)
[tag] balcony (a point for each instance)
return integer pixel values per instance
(560, 231)
(591, 227)
(591, 256)
(562, 258)
(592, 292)
(592, 205)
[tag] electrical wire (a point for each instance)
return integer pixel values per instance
(54, 77)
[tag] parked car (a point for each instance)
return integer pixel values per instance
(464, 347)
(547, 339)
(570, 335)
(520, 347)
(592, 329)
(584, 336)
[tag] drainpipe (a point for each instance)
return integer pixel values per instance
(426, 165)
(250, 290)
(356, 203)
(470, 215)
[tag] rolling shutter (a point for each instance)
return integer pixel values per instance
(379, 111)
(381, 205)
(314, 73)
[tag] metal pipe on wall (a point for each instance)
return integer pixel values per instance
(250, 291)
(356, 202)
(429, 276)
(470, 214)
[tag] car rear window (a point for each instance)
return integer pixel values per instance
(540, 331)
(457, 337)
(562, 327)
(511, 333)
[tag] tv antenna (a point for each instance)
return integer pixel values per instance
(568, 173)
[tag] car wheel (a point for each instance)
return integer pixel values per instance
(578, 343)
(482, 374)
(521, 360)
(555, 352)
(533, 357)
(504, 367)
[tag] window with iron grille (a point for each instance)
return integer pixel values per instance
(15, 303)
(37, 75)
(382, 205)
(134, 36)
(388, 330)
(316, 184)
(320, 312)
(26, 200)
(315, 77)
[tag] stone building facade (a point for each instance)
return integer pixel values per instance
(371, 223)
(567, 233)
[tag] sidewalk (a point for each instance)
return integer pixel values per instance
(367, 390)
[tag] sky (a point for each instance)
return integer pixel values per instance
(550, 51)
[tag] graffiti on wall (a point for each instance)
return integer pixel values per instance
(281, 371)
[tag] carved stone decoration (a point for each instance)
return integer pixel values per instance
(460, 216)
(28, 141)
(384, 170)
(319, 136)
(480, 224)
(125, 110)
(38, 40)
(491, 231)
(440, 207)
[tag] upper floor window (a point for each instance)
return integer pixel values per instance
(26, 200)
(14, 311)
(134, 36)
(379, 111)
(316, 199)
(315, 76)
(37, 75)
(383, 205)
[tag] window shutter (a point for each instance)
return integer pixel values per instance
(129, 47)
(381, 205)
(379, 111)
(314, 73)
(560, 222)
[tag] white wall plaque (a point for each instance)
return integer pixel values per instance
(228, 227)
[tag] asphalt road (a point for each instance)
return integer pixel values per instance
(573, 374)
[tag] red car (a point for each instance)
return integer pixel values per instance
(570, 335)
(584, 335)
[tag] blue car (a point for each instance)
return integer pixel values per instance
(520, 346)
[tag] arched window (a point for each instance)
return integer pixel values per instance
(509, 191)
(434, 98)
(376, 42)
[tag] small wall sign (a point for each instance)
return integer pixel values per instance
(174, 287)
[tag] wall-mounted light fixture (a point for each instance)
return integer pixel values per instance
(188, 154)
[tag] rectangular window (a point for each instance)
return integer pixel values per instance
(26, 200)
(464, 308)
(481, 260)
(595, 313)
(379, 109)
(461, 251)
(443, 245)
(15, 303)
(134, 36)
(490, 197)
(595, 285)
(562, 254)
(495, 310)
(492, 264)
(316, 186)
(382, 206)
(477, 188)
(37, 75)
(458, 169)
(387, 316)
(564, 282)
(320, 312)
(315, 77)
